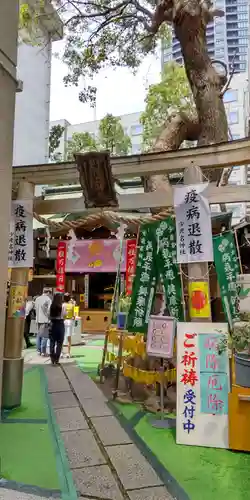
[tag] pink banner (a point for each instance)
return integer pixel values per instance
(95, 256)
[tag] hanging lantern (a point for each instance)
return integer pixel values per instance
(96, 179)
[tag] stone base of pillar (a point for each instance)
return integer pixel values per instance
(12, 383)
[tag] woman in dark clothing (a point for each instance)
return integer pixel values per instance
(57, 328)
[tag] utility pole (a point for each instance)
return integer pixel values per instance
(197, 271)
(9, 10)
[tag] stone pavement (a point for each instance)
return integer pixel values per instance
(105, 463)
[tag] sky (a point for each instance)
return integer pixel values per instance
(118, 91)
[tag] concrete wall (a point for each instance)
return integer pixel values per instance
(33, 104)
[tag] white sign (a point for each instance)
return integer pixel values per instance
(160, 337)
(193, 224)
(202, 385)
(21, 234)
(243, 281)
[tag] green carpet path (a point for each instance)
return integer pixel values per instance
(202, 473)
(31, 449)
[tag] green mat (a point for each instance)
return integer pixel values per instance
(33, 404)
(27, 449)
(27, 455)
(98, 343)
(87, 358)
(203, 473)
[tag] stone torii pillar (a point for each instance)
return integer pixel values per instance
(13, 344)
(8, 59)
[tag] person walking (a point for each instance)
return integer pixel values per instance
(69, 321)
(57, 328)
(42, 308)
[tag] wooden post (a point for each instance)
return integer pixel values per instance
(119, 365)
(197, 271)
(8, 49)
(104, 354)
(13, 345)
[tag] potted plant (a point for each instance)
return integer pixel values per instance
(123, 309)
(238, 343)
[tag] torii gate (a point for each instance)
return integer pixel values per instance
(209, 160)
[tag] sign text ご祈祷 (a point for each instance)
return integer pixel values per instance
(202, 385)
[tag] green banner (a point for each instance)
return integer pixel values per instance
(144, 284)
(166, 258)
(227, 269)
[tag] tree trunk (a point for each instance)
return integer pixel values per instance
(179, 128)
(206, 83)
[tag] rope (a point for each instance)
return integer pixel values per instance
(99, 217)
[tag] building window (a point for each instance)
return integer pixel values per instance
(243, 50)
(233, 117)
(243, 66)
(136, 130)
(242, 16)
(243, 41)
(136, 149)
(230, 96)
(236, 209)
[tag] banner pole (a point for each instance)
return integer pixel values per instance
(238, 251)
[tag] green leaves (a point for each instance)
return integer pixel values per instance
(110, 137)
(55, 135)
(170, 95)
(101, 33)
(29, 32)
(80, 142)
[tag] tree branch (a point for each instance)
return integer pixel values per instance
(94, 15)
(142, 9)
(230, 76)
(178, 128)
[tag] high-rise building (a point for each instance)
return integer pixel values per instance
(227, 37)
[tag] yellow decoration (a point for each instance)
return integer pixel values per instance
(135, 345)
(82, 297)
(239, 418)
(147, 377)
(199, 305)
(17, 298)
(76, 311)
(96, 263)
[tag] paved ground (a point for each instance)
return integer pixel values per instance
(105, 463)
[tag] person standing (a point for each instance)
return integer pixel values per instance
(42, 308)
(28, 314)
(57, 328)
(69, 320)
